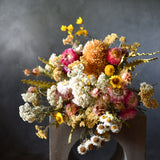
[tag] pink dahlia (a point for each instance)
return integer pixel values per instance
(69, 56)
(114, 55)
(118, 94)
(71, 109)
(128, 114)
(131, 100)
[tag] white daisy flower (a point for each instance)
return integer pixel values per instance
(96, 140)
(81, 149)
(89, 145)
(101, 128)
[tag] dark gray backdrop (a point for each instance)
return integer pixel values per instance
(31, 28)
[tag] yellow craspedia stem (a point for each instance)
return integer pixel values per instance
(63, 28)
(70, 28)
(116, 81)
(59, 118)
(109, 70)
(79, 20)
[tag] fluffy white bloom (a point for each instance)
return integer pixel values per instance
(53, 99)
(51, 95)
(76, 70)
(80, 86)
(25, 112)
(59, 103)
(29, 97)
(31, 114)
(63, 87)
(102, 82)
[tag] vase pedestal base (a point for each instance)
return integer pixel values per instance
(131, 141)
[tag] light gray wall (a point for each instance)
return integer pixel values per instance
(31, 28)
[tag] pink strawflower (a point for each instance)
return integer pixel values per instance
(131, 100)
(71, 109)
(114, 55)
(96, 92)
(128, 114)
(69, 56)
(126, 77)
(118, 94)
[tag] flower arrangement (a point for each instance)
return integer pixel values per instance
(90, 86)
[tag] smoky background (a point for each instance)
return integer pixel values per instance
(31, 28)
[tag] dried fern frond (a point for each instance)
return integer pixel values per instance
(38, 84)
(144, 54)
(133, 64)
(45, 62)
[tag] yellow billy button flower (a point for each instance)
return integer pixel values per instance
(116, 81)
(70, 28)
(59, 118)
(63, 28)
(109, 70)
(79, 20)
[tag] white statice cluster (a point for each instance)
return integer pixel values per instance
(102, 82)
(81, 86)
(31, 114)
(29, 97)
(53, 99)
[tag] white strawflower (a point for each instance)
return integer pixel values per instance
(51, 61)
(89, 145)
(102, 118)
(101, 129)
(115, 128)
(81, 149)
(29, 97)
(25, 112)
(96, 140)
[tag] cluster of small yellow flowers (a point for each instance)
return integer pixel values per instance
(59, 118)
(58, 74)
(75, 120)
(110, 39)
(70, 29)
(91, 118)
(68, 40)
(146, 92)
(41, 133)
(122, 39)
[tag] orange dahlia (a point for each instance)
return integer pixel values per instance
(94, 54)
